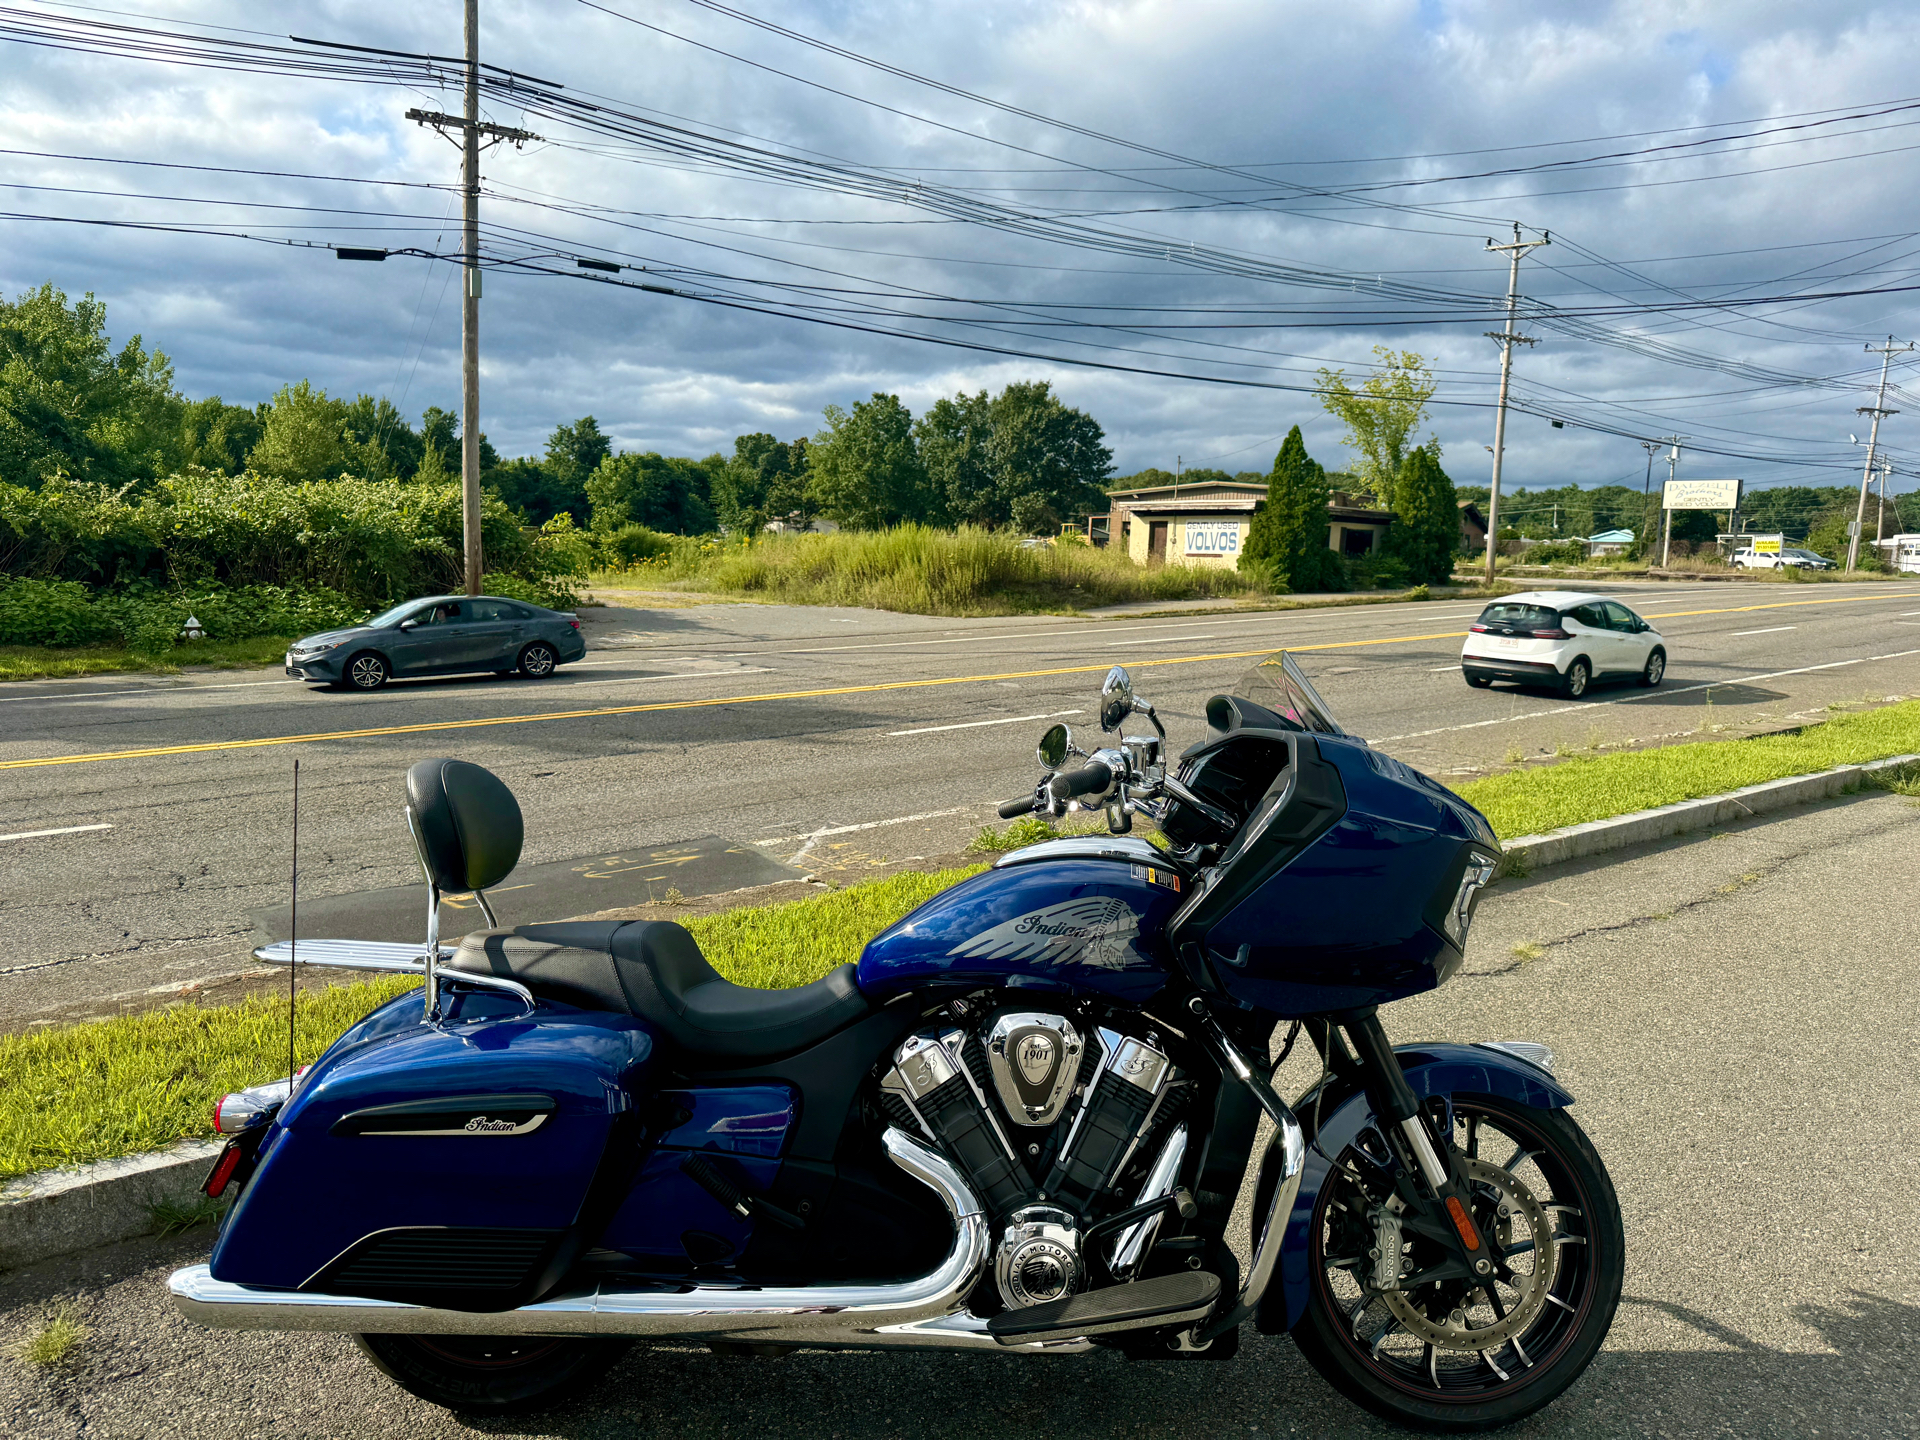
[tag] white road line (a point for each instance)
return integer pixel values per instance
(145, 690)
(1658, 693)
(826, 831)
(1162, 639)
(60, 831)
(1443, 669)
(970, 725)
(1771, 630)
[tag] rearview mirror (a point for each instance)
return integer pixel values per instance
(1055, 747)
(1117, 698)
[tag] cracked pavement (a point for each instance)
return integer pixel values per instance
(1735, 1014)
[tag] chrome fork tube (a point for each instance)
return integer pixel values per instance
(1291, 1144)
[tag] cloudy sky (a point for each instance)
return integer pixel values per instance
(1217, 197)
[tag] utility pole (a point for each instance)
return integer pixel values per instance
(1881, 499)
(471, 130)
(1673, 442)
(1877, 410)
(1647, 492)
(1507, 340)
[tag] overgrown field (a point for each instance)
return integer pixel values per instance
(1529, 802)
(923, 571)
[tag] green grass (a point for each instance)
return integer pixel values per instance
(922, 571)
(40, 662)
(135, 1083)
(1530, 802)
(55, 1342)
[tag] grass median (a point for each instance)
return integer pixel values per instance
(136, 1083)
(46, 662)
(1530, 802)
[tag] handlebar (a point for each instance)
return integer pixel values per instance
(1019, 806)
(1086, 780)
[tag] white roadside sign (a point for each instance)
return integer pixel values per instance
(1701, 494)
(1214, 537)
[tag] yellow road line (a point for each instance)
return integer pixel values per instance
(598, 712)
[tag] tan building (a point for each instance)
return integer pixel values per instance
(1203, 524)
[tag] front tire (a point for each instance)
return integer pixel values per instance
(367, 671)
(1656, 667)
(538, 660)
(1575, 683)
(1555, 1309)
(491, 1373)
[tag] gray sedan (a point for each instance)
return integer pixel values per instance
(440, 635)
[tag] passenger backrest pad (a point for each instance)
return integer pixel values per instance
(468, 822)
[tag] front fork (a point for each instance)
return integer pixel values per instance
(1433, 1182)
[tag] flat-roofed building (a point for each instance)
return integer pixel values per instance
(1200, 524)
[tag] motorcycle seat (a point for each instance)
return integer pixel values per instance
(654, 971)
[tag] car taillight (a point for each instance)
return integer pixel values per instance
(1555, 634)
(1478, 628)
(574, 623)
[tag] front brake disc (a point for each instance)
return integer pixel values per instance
(1475, 1327)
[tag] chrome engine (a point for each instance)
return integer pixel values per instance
(1072, 1108)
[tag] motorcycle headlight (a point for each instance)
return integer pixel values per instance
(1480, 870)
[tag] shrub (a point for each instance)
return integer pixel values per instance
(58, 612)
(144, 618)
(1564, 552)
(631, 544)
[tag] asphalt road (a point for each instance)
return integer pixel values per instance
(1735, 1015)
(805, 739)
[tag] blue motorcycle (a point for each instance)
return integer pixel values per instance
(1019, 1124)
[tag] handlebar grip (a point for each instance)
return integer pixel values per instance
(1019, 806)
(1086, 780)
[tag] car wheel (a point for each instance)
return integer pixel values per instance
(1574, 684)
(1656, 667)
(367, 671)
(537, 661)
(1479, 682)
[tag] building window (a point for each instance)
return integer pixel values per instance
(1356, 542)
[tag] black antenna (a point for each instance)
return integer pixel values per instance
(293, 928)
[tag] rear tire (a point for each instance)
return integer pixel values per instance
(1479, 682)
(538, 660)
(492, 1374)
(1575, 683)
(1656, 667)
(366, 671)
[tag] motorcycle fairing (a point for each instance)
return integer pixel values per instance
(1076, 925)
(492, 1123)
(1355, 918)
(1435, 1068)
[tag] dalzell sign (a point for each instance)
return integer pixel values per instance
(1701, 495)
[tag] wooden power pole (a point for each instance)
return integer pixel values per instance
(471, 129)
(1507, 340)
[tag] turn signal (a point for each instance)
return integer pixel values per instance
(1458, 1213)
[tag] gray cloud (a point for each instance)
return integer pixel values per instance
(1318, 96)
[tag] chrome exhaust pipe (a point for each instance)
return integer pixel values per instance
(926, 1311)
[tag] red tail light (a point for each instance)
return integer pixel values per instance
(574, 623)
(1478, 628)
(223, 1170)
(1556, 634)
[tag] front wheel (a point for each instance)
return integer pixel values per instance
(1656, 667)
(1455, 1355)
(367, 671)
(491, 1373)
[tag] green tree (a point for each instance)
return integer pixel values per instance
(865, 468)
(304, 437)
(664, 493)
(70, 403)
(217, 436)
(765, 479)
(1287, 539)
(575, 451)
(1382, 416)
(1024, 445)
(1426, 532)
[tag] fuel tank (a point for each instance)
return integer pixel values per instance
(1085, 915)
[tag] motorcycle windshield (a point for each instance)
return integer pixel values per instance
(1277, 683)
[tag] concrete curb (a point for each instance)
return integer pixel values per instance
(56, 1213)
(1595, 837)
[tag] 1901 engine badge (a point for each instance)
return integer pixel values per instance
(1035, 1056)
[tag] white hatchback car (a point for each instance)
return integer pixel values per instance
(1562, 639)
